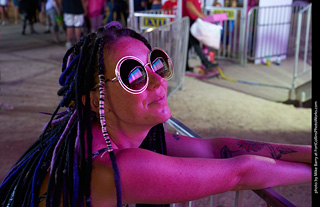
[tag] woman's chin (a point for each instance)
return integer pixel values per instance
(164, 114)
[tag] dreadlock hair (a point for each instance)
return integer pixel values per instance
(62, 148)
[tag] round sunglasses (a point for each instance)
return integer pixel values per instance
(132, 73)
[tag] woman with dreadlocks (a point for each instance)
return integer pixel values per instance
(108, 148)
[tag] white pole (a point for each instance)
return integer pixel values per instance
(131, 8)
(179, 9)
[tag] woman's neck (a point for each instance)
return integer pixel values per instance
(132, 137)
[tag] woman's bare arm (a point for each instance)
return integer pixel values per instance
(223, 147)
(148, 177)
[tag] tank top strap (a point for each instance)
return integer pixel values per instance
(100, 151)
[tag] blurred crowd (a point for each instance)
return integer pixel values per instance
(78, 17)
(70, 18)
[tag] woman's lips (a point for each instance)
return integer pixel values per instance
(159, 99)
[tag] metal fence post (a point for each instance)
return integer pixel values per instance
(242, 38)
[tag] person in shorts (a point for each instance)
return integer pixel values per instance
(4, 11)
(73, 17)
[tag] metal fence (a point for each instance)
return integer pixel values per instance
(232, 44)
(173, 38)
(271, 32)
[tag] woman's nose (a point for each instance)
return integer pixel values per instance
(155, 80)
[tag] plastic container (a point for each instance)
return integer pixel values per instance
(278, 60)
(268, 61)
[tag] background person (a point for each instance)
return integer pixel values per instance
(52, 11)
(4, 5)
(27, 9)
(139, 5)
(95, 13)
(73, 17)
(192, 9)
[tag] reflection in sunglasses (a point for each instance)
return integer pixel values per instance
(135, 74)
(157, 64)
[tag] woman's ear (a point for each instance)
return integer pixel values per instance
(94, 102)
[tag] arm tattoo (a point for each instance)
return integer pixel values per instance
(225, 152)
(255, 146)
(176, 137)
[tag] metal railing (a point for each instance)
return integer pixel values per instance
(303, 53)
(269, 195)
(173, 38)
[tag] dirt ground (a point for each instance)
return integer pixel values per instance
(30, 67)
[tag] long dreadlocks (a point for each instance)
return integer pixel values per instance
(61, 148)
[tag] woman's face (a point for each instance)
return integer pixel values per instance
(148, 108)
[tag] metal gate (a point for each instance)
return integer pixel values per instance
(271, 32)
(278, 32)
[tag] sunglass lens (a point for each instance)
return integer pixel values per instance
(133, 74)
(161, 63)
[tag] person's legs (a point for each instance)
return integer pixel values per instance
(47, 22)
(99, 21)
(6, 14)
(31, 19)
(95, 23)
(193, 42)
(54, 25)
(78, 25)
(1, 14)
(204, 60)
(16, 11)
(24, 22)
(110, 17)
(70, 32)
(124, 10)
(190, 45)
(117, 9)
(69, 23)
(78, 32)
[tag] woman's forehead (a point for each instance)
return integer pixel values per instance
(128, 46)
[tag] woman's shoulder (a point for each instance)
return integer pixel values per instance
(103, 189)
